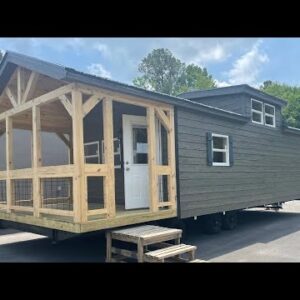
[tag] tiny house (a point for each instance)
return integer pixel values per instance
(80, 153)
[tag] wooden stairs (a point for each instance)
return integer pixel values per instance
(153, 244)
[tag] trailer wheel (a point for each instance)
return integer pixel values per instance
(229, 220)
(212, 224)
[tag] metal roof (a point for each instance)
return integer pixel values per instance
(12, 59)
(235, 89)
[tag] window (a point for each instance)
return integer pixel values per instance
(117, 153)
(140, 145)
(257, 111)
(269, 115)
(91, 153)
(263, 113)
(220, 150)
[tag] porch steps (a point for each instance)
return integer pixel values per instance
(153, 244)
(161, 255)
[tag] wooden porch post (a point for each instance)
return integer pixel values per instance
(109, 181)
(79, 194)
(36, 158)
(172, 159)
(153, 190)
(9, 161)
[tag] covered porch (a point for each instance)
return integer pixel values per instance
(80, 158)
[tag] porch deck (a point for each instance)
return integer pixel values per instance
(65, 223)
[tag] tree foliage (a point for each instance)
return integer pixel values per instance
(163, 72)
(196, 78)
(290, 93)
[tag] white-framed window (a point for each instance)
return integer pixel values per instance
(92, 153)
(263, 113)
(257, 111)
(117, 152)
(269, 116)
(220, 150)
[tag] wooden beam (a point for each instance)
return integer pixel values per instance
(46, 98)
(90, 104)
(66, 103)
(22, 208)
(36, 158)
(172, 190)
(30, 87)
(109, 180)
(95, 169)
(94, 212)
(20, 84)
(120, 97)
(79, 194)
(57, 212)
(153, 186)
(11, 96)
(163, 170)
(163, 118)
(64, 139)
(9, 161)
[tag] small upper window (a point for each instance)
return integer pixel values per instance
(263, 113)
(257, 111)
(220, 150)
(269, 115)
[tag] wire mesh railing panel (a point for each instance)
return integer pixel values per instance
(57, 193)
(95, 192)
(3, 192)
(22, 192)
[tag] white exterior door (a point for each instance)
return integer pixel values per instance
(136, 170)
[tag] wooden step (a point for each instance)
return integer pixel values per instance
(162, 254)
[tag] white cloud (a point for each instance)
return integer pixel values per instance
(247, 68)
(221, 83)
(215, 53)
(103, 49)
(203, 51)
(98, 70)
(123, 55)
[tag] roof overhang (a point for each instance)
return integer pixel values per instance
(231, 90)
(11, 60)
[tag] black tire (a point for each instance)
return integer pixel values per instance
(229, 220)
(212, 224)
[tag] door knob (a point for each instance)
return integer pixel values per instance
(127, 169)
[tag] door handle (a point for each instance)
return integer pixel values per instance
(127, 169)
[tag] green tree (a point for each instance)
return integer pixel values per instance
(290, 93)
(163, 72)
(197, 78)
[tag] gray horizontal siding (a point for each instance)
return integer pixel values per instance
(266, 166)
(235, 103)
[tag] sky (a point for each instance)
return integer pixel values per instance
(229, 60)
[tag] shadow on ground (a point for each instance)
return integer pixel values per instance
(254, 227)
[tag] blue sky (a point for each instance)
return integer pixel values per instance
(230, 60)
